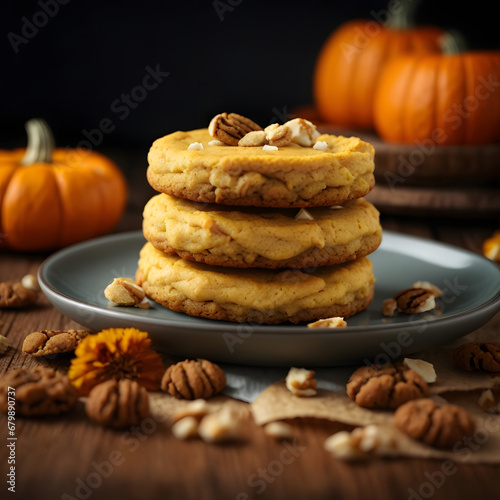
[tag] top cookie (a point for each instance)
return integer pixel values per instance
(291, 176)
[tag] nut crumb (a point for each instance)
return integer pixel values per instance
(303, 214)
(301, 382)
(320, 145)
(196, 409)
(428, 286)
(4, 345)
(125, 292)
(278, 135)
(389, 307)
(219, 427)
(266, 147)
(216, 142)
(255, 138)
(304, 133)
(15, 295)
(488, 402)
(185, 428)
(195, 146)
(423, 368)
(279, 430)
(336, 322)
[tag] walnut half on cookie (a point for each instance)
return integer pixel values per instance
(385, 386)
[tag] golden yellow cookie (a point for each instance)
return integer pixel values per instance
(255, 237)
(292, 176)
(257, 295)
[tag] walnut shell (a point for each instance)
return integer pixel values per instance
(38, 392)
(441, 427)
(478, 356)
(385, 386)
(193, 379)
(117, 403)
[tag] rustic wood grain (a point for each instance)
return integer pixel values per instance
(55, 456)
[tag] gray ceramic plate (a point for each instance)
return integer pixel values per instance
(74, 280)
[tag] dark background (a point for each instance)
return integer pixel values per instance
(256, 58)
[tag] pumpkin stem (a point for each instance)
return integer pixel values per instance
(40, 142)
(404, 16)
(453, 42)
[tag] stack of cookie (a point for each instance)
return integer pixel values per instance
(267, 226)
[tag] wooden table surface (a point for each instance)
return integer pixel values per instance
(70, 458)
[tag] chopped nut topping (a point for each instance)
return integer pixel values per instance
(389, 307)
(124, 292)
(195, 146)
(4, 344)
(231, 127)
(278, 135)
(423, 368)
(279, 430)
(216, 142)
(320, 145)
(336, 322)
(185, 428)
(256, 138)
(269, 148)
(301, 382)
(303, 214)
(30, 282)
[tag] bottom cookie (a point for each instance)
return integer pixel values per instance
(255, 295)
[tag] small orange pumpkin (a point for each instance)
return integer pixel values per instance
(452, 98)
(50, 198)
(351, 61)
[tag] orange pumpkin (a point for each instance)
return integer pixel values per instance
(448, 99)
(351, 61)
(50, 198)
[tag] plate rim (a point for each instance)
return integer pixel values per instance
(263, 329)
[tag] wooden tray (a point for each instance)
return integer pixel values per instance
(453, 181)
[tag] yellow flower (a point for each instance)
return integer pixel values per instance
(115, 353)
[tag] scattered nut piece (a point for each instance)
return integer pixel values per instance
(423, 368)
(269, 148)
(195, 146)
(304, 132)
(216, 142)
(4, 344)
(301, 382)
(427, 285)
(488, 402)
(38, 392)
(303, 214)
(193, 379)
(185, 428)
(385, 386)
(478, 356)
(196, 409)
(256, 138)
(219, 427)
(362, 443)
(279, 430)
(30, 282)
(441, 427)
(279, 135)
(415, 300)
(320, 145)
(14, 295)
(231, 127)
(47, 342)
(336, 322)
(389, 307)
(125, 292)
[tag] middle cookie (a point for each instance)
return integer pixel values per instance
(255, 237)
